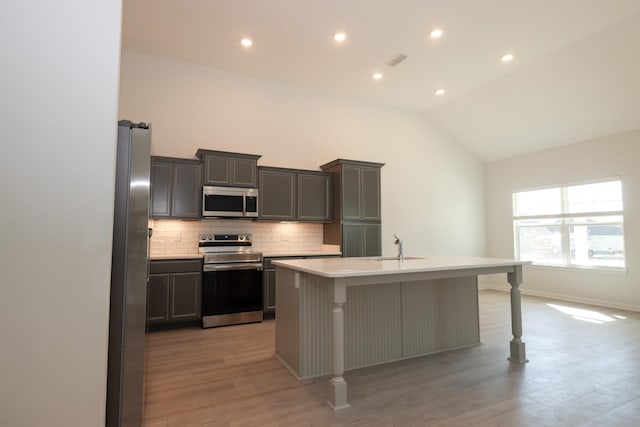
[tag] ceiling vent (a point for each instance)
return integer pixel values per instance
(398, 58)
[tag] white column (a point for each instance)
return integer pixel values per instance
(517, 351)
(338, 384)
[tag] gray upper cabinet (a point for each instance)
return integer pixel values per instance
(223, 168)
(176, 188)
(314, 196)
(294, 195)
(356, 207)
(351, 192)
(360, 193)
(160, 182)
(277, 194)
(370, 194)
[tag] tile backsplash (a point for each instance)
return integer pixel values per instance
(174, 237)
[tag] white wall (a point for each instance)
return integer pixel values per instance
(600, 158)
(58, 103)
(432, 189)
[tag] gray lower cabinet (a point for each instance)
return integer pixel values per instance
(277, 194)
(223, 168)
(314, 196)
(269, 286)
(294, 195)
(269, 291)
(174, 291)
(176, 188)
(158, 298)
(361, 240)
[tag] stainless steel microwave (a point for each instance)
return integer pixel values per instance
(229, 202)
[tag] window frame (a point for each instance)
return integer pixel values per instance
(564, 225)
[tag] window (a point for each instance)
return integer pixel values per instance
(579, 225)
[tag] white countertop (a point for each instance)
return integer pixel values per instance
(266, 254)
(376, 266)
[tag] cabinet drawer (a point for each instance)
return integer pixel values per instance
(175, 266)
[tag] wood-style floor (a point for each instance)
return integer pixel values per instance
(584, 370)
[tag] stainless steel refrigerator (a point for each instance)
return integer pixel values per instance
(129, 273)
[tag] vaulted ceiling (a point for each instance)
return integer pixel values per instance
(575, 74)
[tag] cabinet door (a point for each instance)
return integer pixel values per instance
(185, 293)
(186, 191)
(217, 170)
(370, 194)
(269, 279)
(244, 173)
(314, 196)
(161, 189)
(158, 298)
(351, 192)
(372, 234)
(352, 240)
(361, 240)
(277, 193)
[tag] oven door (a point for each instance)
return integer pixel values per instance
(231, 294)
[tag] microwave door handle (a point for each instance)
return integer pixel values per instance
(244, 204)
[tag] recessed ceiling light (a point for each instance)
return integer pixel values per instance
(246, 42)
(436, 33)
(440, 92)
(377, 76)
(340, 36)
(507, 57)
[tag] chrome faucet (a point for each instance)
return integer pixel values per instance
(400, 250)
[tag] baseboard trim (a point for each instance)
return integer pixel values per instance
(568, 298)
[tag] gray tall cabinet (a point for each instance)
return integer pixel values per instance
(356, 225)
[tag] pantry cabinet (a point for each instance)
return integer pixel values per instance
(356, 197)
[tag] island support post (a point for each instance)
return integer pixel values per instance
(338, 384)
(517, 351)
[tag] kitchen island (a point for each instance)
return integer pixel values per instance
(346, 313)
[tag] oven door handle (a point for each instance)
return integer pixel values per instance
(227, 267)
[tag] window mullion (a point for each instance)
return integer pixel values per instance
(566, 242)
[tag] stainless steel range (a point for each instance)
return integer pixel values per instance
(232, 280)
